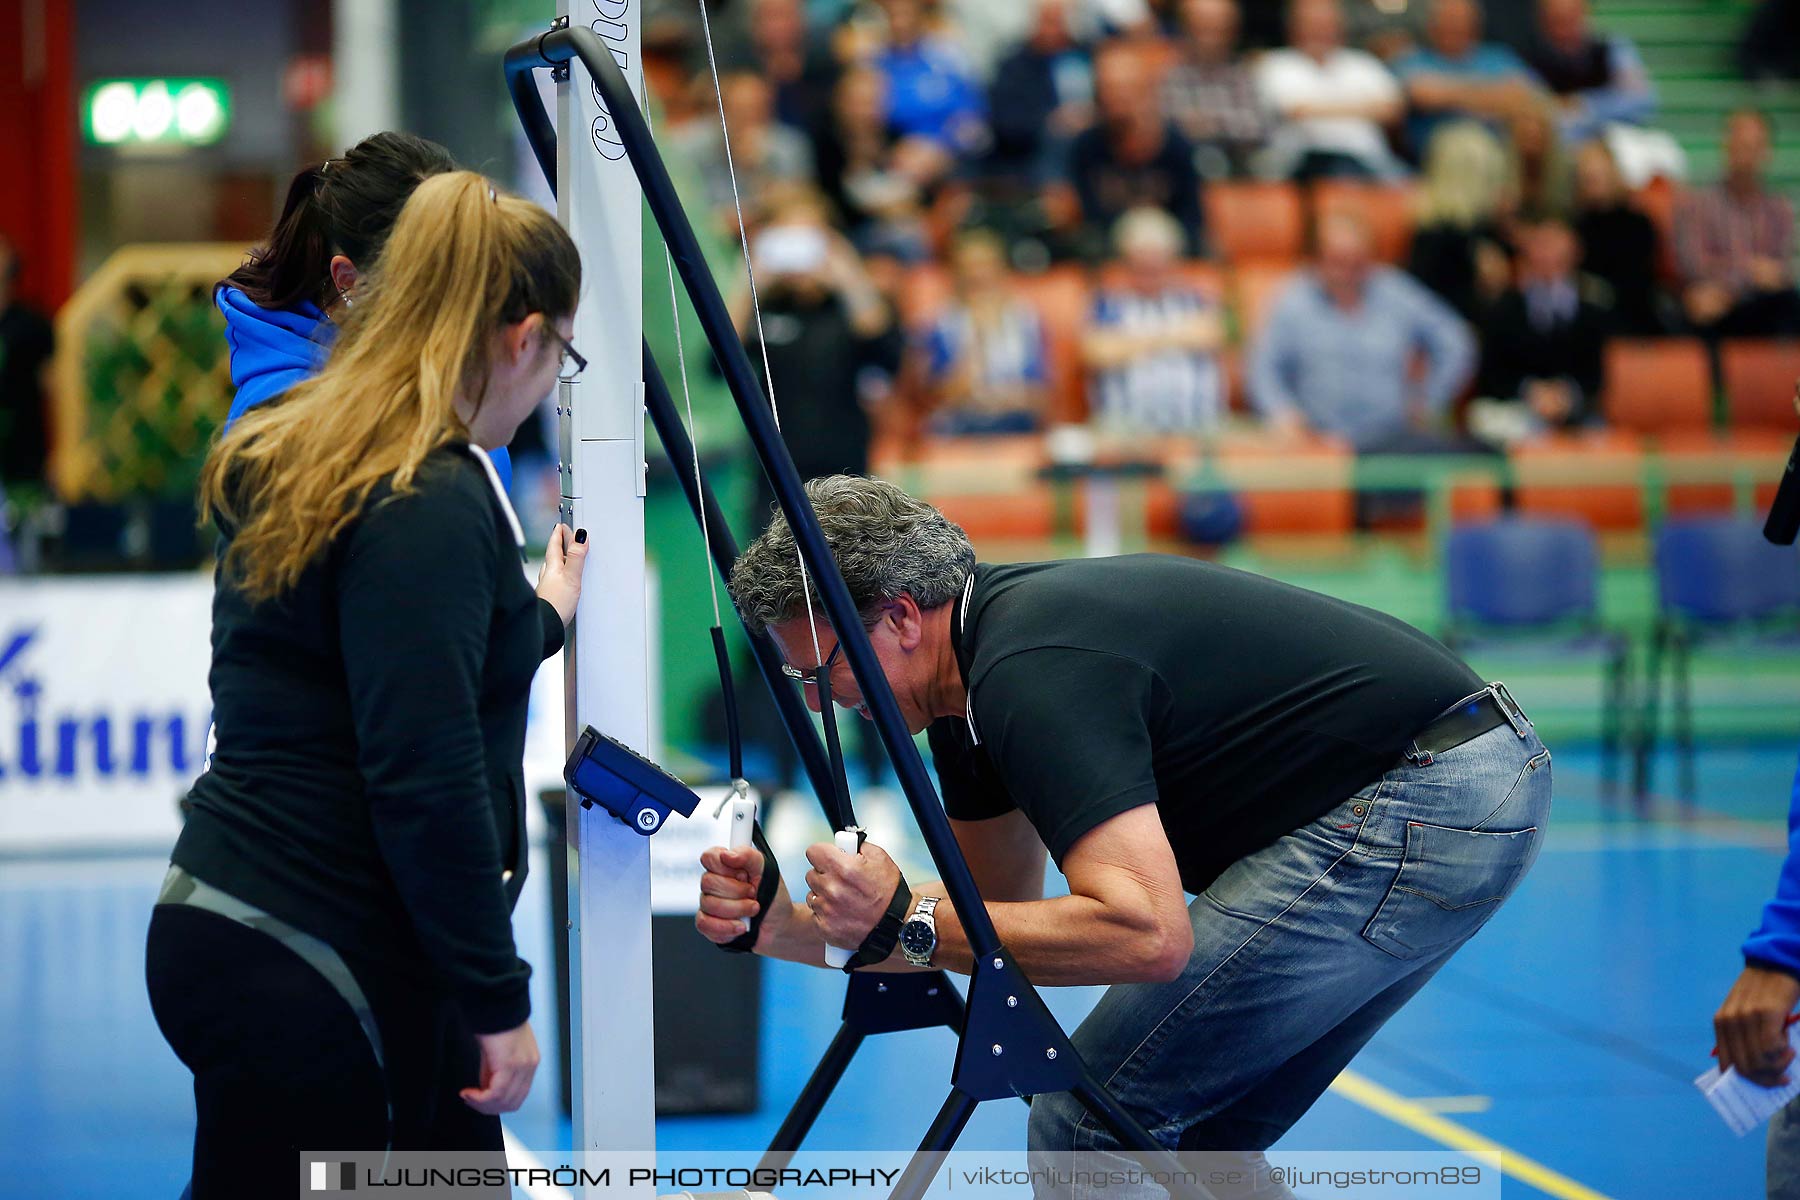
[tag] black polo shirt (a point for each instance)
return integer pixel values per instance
(1241, 707)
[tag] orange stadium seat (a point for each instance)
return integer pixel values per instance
(1595, 475)
(1655, 386)
(1756, 455)
(1063, 296)
(1327, 505)
(1759, 382)
(1386, 208)
(1254, 221)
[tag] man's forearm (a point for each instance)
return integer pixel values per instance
(1065, 941)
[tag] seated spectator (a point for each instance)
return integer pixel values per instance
(1336, 355)
(1132, 158)
(877, 182)
(931, 89)
(1543, 185)
(1735, 243)
(1456, 75)
(1335, 104)
(1543, 348)
(1595, 78)
(1152, 345)
(1209, 94)
(1620, 245)
(984, 358)
(799, 68)
(1043, 95)
(764, 154)
(1459, 246)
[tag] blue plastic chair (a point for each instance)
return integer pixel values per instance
(1715, 575)
(1533, 580)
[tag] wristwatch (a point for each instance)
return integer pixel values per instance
(918, 935)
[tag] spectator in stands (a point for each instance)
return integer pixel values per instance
(27, 345)
(1457, 75)
(1335, 104)
(984, 361)
(1042, 97)
(1210, 95)
(1543, 183)
(833, 349)
(931, 89)
(1735, 243)
(764, 153)
(1620, 245)
(1152, 344)
(1337, 353)
(1459, 246)
(1132, 158)
(1544, 345)
(1596, 78)
(799, 68)
(877, 182)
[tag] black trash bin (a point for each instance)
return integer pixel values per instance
(709, 1004)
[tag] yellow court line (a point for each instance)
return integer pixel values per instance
(1454, 1104)
(1399, 1109)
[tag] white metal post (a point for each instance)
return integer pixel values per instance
(608, 682)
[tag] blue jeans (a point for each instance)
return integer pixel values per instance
(1784, 1153)
(1302, 951)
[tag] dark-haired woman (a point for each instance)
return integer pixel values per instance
(281, 306)
(332, 951)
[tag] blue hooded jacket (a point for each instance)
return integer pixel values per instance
(1777, 943)
(272, 349)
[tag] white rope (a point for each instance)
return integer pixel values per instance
(712, 576)
(737, 203)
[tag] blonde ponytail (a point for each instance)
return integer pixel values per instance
(462, 261)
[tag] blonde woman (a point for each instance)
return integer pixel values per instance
(1465, 204)
(332, 952)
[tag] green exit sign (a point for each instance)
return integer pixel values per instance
(156, 112)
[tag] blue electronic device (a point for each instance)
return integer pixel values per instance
(625, 783)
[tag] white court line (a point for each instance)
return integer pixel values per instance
(517, 1155)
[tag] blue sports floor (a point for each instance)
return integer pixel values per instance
(1566, 1034)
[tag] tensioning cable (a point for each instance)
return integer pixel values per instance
(734, 736)
(842, 815)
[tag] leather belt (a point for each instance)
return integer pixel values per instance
(1467, 719)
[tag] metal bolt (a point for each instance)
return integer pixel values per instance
(648, 819)
(1012, 1002)
(998, 963)
(881, 987)
(997, 1050)
(1050, 1054)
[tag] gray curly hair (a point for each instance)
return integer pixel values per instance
(885, 542)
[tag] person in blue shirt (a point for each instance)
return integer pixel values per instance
(1751, 1025)
(279, 305)
(932, 91)
(1457, 75)
(1336, 355)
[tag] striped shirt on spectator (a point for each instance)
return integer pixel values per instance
(1718, 234)
(1171, 391)
(1215, 102)
(1005, 355)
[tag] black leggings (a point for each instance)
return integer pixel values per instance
(281, 1065)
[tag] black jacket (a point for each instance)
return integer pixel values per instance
(368, 783)
(1514, 350)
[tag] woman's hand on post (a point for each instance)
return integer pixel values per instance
(508, 1061)
(560, 580)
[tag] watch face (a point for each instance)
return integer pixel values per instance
(917, 938)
